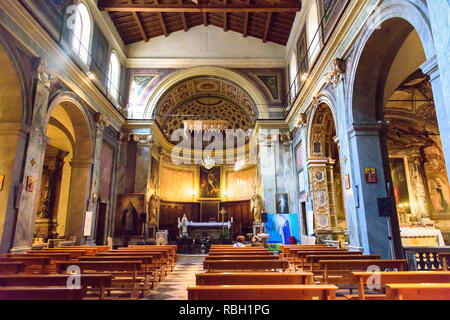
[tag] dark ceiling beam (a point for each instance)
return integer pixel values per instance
(139, 24)
(246, 22)
(266, 31)
(225, 18)
(183, 17)
(161, 21)
(117, 6)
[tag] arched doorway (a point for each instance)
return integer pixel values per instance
(325, 176)
(13, 115)
(395, 43)
(69, 161)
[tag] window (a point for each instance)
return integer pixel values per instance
(313, 32)
(293, 77)
(82, 33)
(113, 76)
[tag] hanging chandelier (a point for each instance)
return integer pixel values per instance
(209, 162)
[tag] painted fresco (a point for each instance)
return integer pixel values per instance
(400, 183)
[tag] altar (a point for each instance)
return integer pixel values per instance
(215, 230)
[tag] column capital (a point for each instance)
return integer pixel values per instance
(142, 139)
(366, 128)
(80, 163)
(431, 68)
(44, 76)
(102, 121)
(337, 72)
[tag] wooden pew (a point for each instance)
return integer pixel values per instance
(300, 256)
(241, 265)
(339, 272)
(32, 263)
(312, 262)
(149, 274)
(285, 249)
(54, 256)
(164, 262)
(91, 249)
(88, 250)
(423, 291)
(128, 270)
(246, 252)
(254, 278)
(242, 257)
(445, 258)
(395, 278)
(259, 293)
(11, 267)
(35, 293)
(172, 250)
(74, 254)
(87, 281)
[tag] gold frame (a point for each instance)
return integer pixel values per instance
(288, 203)
(221, 185)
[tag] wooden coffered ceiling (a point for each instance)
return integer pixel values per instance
(141, 20)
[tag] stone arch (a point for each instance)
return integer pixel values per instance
(320, 100)
(15, 116)
(82, 160)
(409, 17)
(160, 90)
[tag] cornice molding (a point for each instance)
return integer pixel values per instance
(156, 63)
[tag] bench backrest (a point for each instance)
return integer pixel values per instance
(242, 257)
(35, 293)
(239, 265)
(100, 266)
(53, 280)
(427, 291)
(226, 293)
(254, 278)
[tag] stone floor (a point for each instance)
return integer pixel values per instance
(175, 285)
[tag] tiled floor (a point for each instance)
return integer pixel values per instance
(175, 285)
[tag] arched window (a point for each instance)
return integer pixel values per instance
(113, 76)
(82, 33)
(293, 77)
(313, 32)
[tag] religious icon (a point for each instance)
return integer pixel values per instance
(282, 203)
(371, 175)
(30, 184)
(2, 181)
(129, 206)
(210, 183)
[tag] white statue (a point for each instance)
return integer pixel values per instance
(154, 205)
(183, 225)
(256, 207)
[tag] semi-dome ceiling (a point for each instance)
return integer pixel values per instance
(207, 108)
(206, 98)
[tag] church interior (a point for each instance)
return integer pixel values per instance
(224, 150)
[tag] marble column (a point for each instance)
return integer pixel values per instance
(439, 12)
(13, 158)
(419, 207)
(29, 201)
(349, 195)
(268, 148)
(376, 231)
(101, 122)
(143, 163)
(78, 198)
(438, 79)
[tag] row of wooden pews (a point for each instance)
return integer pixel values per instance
(312, 272)
(254, 274)
(127, 273)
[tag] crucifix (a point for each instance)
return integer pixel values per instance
(223, 212)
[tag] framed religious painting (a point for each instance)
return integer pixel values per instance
(282, 203)
(371, 175)
(210, 183)
(128, 210)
